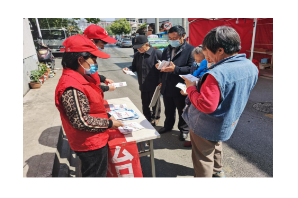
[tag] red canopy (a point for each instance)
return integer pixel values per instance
(199, 27)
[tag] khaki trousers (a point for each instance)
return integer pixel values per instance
(206, 156)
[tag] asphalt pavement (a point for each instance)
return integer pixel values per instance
(249, 152)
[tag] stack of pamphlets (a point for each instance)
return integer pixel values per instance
(121, 84)
(124, 114)
(116, 106)
(130, 127)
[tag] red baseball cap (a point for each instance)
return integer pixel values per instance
(79, 43)
(97, 32)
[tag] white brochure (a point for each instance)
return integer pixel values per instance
(189, 77)
(182, 87)
(163, 64)
(129, 72)
(120, 114)
(120, 84)
(117, 106)
(130, 127)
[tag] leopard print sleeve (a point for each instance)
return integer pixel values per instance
(77, 109)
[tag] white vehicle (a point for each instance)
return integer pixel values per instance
(54, 38)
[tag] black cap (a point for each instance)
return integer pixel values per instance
(140, 41)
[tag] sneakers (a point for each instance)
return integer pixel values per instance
(219, 174)
(183, 136)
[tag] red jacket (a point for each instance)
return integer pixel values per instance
(82, 140)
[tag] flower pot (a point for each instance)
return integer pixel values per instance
(46, 75)
(35, 85)
(49, 70)
(42, 79)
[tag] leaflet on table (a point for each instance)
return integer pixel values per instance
(118, 114)
(189, 77)
(182, 87)
(120, 84)
(163, 64)
(117, 106)
(129, 72)
(114, 112)
(130, 127)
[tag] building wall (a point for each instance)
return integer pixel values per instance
(178, 21)
(30, 60)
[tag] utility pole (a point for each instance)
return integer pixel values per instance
(184, 23)
(253, 39)
(156, 25)
(38, 28)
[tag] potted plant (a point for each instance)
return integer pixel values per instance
(34, 77)
(44, 70)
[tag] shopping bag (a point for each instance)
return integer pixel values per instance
(123, 160)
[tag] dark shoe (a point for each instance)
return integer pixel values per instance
(187, 144)
(153, 122)
(163, 130)
(183, 136)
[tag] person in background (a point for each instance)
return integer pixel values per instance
(100, 38)
(198, 69)
(151, 28)
(200, 61)
(218, 100)
(80, 103)
(178, 53)
(133, 39)
(148, 76)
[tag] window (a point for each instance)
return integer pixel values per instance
(53, 34)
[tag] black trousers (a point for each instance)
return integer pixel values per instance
(171, 103)
(148, 113)
(94, 163)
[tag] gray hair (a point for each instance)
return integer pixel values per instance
(197, 50)
(223, 37)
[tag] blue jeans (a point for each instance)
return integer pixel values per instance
(94, 163)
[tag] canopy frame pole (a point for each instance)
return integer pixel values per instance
(253, 39)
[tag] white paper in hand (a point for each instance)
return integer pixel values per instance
(121, 84)
(182, 87)
(189, 77)
(163, 64)
(129, 72)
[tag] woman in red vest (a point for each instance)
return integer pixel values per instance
(80, 103)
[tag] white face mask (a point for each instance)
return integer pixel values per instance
(86, 71)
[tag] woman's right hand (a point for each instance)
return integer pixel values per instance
(112, 87)
(182, 93)
(116, 124)
(157, 65)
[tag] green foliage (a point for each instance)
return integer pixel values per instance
(90, 20)
(35, 75)
(143, 26)
(42, 68)
(109, 31)
(120, 26)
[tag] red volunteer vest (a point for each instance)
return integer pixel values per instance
(82, 140)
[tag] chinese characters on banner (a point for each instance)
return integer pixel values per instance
(123, 157)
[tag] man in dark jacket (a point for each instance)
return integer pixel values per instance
(148, 76)
(179, 55)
